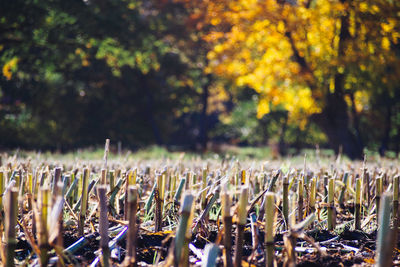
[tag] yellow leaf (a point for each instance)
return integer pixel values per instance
(363, 7)
(281, 27)
(262, 108)
(369, 261)
(9, 67)
(246, 264)
(385, 43)
(218, 48)
(215, 21)
(131, 6)
(85, 62)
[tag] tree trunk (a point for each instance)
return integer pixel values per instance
(388, 127)
(282, 144)
(334, 121)
(356, 120)
(150, 111)
(203, 120)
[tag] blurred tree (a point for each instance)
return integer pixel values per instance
(307, 56)
(74, 73)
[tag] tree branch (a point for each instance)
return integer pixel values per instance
(305, 68)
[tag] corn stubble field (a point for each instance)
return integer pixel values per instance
(198, 212)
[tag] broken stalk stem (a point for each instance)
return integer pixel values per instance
(184, 222)
(331, 203)
(378, 192)
(103, 224)
(227, 218)
(300, 192)
(357, 210)
(385, 238)
(285, 201)
(269, 228)
(84, 202)
(242, 216)
(132, 229)
(10, 222)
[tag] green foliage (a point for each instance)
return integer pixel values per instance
(243, 126)
(75, 73)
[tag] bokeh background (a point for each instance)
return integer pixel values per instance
(199, 74)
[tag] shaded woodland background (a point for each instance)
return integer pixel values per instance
(180, 74)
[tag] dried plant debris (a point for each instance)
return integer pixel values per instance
(196, 212)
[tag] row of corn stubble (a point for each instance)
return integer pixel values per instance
(202, 212)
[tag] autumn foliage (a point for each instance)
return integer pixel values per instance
(308, 57)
